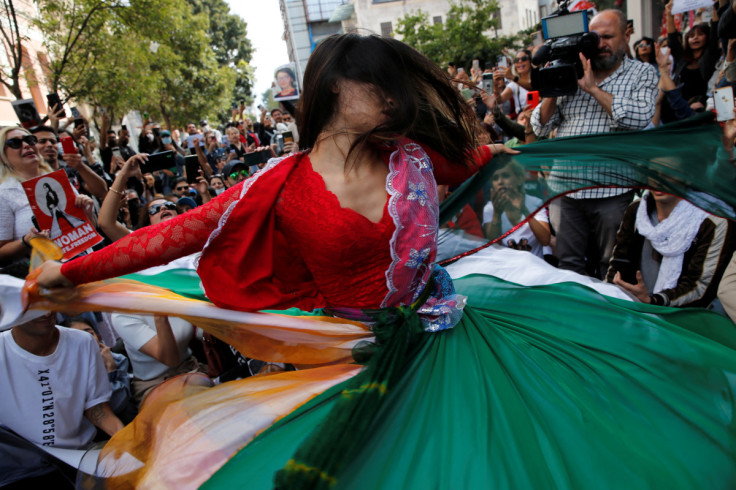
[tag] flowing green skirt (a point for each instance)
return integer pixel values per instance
(542, 387)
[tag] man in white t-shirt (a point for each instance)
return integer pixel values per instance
(54, 388)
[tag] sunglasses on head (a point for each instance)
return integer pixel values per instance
(521, 59)
(156, 208)
(241, 173)
(17, 143)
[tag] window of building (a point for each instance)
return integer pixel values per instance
(497, 16)
(386, 29)
(32, 82)
(437, 19)
(44, 62)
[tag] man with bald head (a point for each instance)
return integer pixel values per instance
(615, 93)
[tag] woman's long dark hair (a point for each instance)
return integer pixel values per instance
(427, 108)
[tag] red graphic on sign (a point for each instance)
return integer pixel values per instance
(52, 201)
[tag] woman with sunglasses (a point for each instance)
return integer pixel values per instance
(454, 394)
(519, 83)
(20, 161)
(644, 51)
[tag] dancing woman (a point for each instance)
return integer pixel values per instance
(453, 395)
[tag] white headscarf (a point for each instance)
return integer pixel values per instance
(671, 237)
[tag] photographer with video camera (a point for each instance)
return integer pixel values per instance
(615, 93)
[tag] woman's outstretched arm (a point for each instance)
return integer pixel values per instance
(148, 247)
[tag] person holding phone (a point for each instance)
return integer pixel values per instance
(519, 81)
(670, 99)
(678, 252)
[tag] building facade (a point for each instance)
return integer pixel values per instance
(307, 22)
(33, 79)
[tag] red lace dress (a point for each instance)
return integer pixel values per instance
(326, 255)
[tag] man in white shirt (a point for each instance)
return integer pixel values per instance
(54, 389)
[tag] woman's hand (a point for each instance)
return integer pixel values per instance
(663, 59)
(499, 148)
(498, 77)
(51, 276)
(55, 116)
(79, 131)
(201, 186)
(638, 290)
(33, 233)
(508, 201)
(132, 167)
(489, 100)
(86, 204)
(508, 73)
(500, 200)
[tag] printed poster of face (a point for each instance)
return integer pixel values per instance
(52, 202)
(27, 113)
(285, 86)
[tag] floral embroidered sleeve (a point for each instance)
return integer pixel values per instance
(153, 245)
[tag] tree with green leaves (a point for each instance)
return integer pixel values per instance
(229, 41)
(150, 55)
(13, 37)
(463, 35)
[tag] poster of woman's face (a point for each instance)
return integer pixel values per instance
(285, 86)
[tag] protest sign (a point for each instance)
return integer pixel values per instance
(285, 85)
(52, 202)
(680, 6)
(195, 137)
(27, 113)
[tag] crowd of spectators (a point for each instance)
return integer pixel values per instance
(597, 232)
(659, 248)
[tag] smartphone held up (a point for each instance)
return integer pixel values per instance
(723, 102)
(532, 99)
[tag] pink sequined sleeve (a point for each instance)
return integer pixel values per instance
(153, 245)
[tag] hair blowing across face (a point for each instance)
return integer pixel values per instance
(426, 108)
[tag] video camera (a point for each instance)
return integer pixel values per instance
(566, 35)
